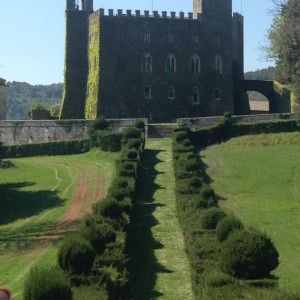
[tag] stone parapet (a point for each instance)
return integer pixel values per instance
(198, 123)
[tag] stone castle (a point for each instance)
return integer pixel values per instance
(160, 66)
(3, 93)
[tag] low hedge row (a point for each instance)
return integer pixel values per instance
(221, 251)
(95, 255)
(227, 129)
(51, 148)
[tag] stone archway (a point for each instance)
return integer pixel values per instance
(279, 97)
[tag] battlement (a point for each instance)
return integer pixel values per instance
(146, 14)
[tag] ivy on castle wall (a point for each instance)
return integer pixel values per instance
(94, 72)
(283, 96)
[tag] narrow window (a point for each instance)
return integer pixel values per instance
(171, 63)
(147, 92)
(171, 92)
(170, 38)
(147, 38)
(217, 93)
(196, 95)
(147, 63)
(195, 38)
(195, 64)
(217, 65)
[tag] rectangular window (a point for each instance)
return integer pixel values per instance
(217, 93)
(171, 38)
(147, 38)
(171, 93)
(195, 39)
(147, 92)
(196, 95)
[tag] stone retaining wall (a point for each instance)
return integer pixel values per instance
(28, 132)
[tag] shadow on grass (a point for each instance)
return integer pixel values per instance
(17, 204)
(144, 266)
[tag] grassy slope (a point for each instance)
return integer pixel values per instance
(258, 177)
(49, 184)
(160, 267)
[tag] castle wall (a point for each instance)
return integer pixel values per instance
(122, 81)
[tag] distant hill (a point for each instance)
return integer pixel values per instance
(263, 74)
(21, 96)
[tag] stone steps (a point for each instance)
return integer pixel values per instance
(161, 130)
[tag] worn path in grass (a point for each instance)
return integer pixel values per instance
(159, 266)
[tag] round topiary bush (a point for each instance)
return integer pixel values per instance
(248, 255)
(198, 202)
(76, 255)
(132, 154)
(140, 124)
(109, 140)
(195, 183)
(180, 136)
(100, 124)
(109, 208)
(47, 283)
(191, 166)
(131, 133)
(121, 183)
(211, 217)
(186, 143)
(226, 226)
(190, 155)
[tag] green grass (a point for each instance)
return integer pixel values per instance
(159, 265)
(257, 179)
(34, 195)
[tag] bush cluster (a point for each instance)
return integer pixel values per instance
(211, 236)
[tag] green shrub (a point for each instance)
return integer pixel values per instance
(127, 168)
(191, 166)
(211, 217)
(180, 136)
(132, 154)
(98, 235)
(195, 182)
(186, 143)
(198, 201)
(140, 124)
(118, 193)
(181, 128)
(134, 144)
(226, 226)
(93, 134)
(109, 208)
(76, 255)
(100, 124)
(109, 140)
(131, 133)
(217, 279)
(190, 155)
(248, 255)
(47, 283)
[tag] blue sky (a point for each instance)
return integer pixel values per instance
(32, 34)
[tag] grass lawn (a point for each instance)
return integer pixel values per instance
(159, 265)
(35, 196)
(257, 178)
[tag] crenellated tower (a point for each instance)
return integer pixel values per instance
(213, 9)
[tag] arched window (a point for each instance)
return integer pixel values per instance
(217, 93)
(147, 63)
(195, 64)
(171, 92)
(196, 95)
(171, 63)
(147, 91)
(217, 66)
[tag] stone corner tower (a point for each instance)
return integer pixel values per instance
(76, 58)
(3, 93)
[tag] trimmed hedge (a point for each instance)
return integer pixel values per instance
(108, 140)
(52, 148)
